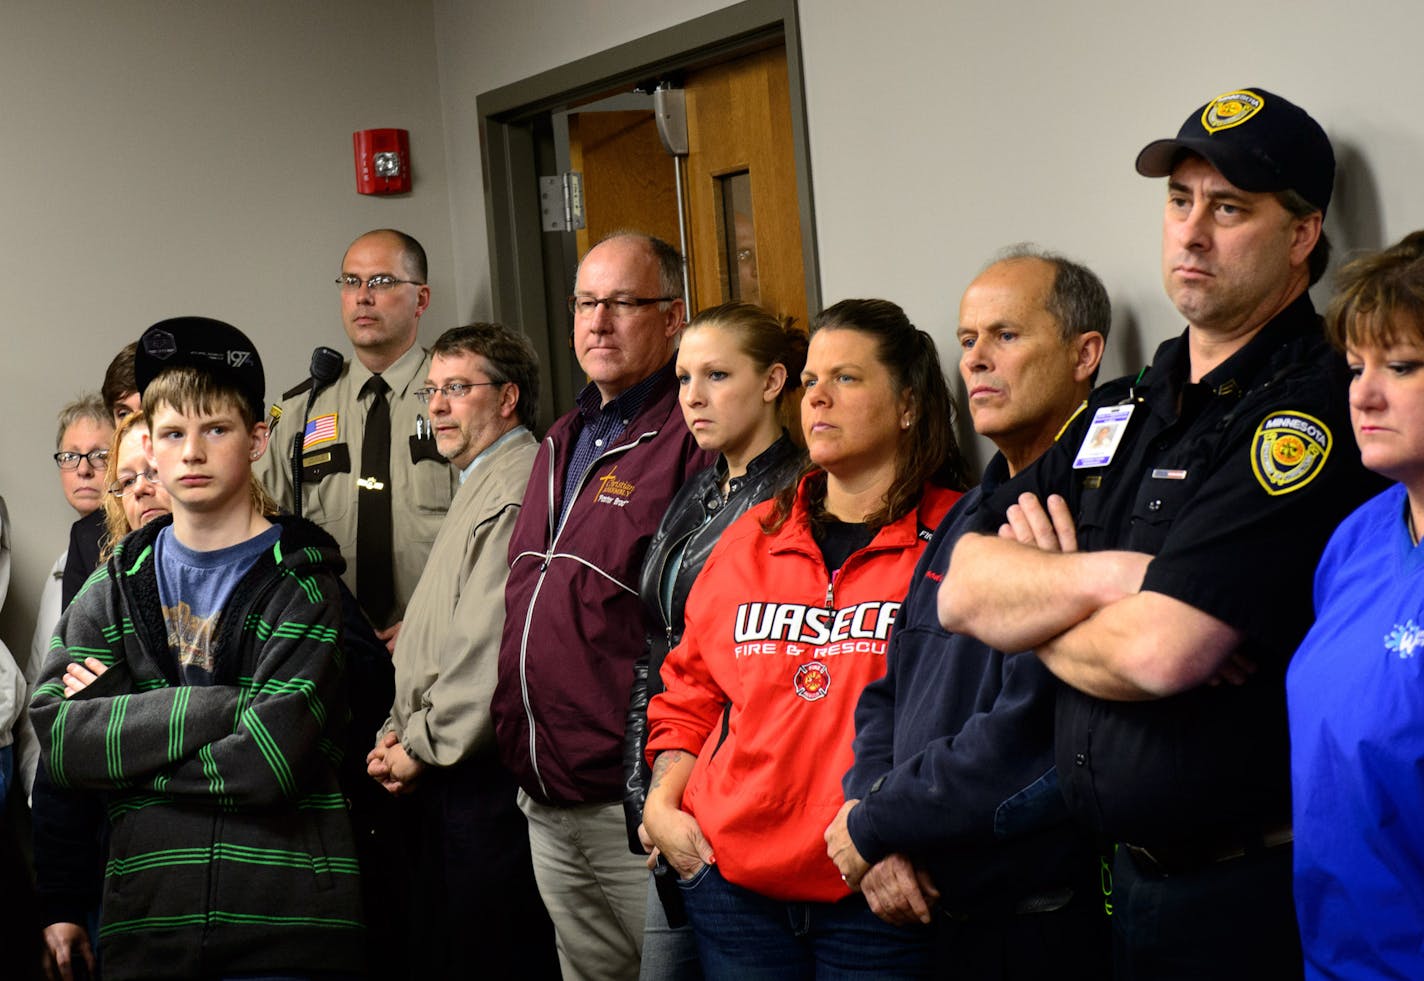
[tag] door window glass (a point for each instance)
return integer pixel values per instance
(737, 234)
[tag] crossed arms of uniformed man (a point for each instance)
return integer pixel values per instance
(1088, 619)
(1084, 614)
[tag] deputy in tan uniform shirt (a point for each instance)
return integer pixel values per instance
(383, 294)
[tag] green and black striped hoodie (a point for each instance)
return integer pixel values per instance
(231, 849)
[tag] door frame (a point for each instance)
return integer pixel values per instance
(530, 270)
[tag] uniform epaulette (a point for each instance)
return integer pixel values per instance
(297, 389)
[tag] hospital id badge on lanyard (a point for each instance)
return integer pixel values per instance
(1103, 435)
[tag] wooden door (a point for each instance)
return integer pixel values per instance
(628, 179)
(740, 209)
(744, 227)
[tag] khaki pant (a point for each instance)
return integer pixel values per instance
(595, 890)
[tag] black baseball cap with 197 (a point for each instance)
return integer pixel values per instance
(1259, 141)
(211, 346)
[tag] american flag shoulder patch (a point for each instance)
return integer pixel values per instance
(320, 430)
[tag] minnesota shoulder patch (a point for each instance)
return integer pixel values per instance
(1288, 450)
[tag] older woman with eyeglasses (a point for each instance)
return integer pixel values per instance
(69, 838)
(82, 456)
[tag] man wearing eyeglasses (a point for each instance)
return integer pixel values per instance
(383, 509)
(574, 624)
(468, 850)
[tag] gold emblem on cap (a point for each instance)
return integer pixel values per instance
(1231, 109)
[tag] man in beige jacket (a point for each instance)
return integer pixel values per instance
(472, 895)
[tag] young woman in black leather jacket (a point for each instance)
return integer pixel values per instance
(735, 366)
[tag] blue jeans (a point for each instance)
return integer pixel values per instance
(669, 952)
(744, 935)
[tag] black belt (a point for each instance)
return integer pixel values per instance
(1185, 857)
(1043, 902)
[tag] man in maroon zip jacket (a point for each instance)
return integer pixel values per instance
(574, 624)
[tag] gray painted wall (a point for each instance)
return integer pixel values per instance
(166, 157)
(941, 131)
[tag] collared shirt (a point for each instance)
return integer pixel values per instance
(400, 375)
(422, 481)
(484, 453)
(602, 427)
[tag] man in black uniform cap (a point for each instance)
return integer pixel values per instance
(1196, 498)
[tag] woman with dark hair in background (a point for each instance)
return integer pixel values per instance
(735, 365)
(1355, 688)
(786, 624)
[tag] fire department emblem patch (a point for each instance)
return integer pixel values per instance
(1288, 450)
(813, 681)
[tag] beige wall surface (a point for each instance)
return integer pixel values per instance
(486, 44)
(169, 157)
(968, 126)
(941, 131)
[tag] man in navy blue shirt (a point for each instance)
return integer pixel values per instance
(953, 813)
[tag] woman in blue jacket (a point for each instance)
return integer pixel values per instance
(1355, 688)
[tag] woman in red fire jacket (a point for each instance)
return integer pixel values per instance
(786, 624)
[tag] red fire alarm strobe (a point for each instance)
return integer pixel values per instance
(382, 161)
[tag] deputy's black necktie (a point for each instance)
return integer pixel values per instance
(374, 586)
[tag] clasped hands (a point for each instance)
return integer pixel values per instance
(392, 767)
(894, 888)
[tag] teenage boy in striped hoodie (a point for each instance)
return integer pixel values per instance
(197, 682)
